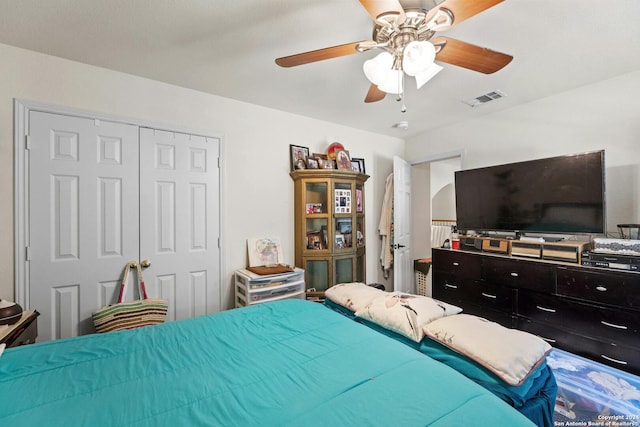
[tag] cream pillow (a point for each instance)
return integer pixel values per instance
(353, 296)
(405, 314)
(509, 353)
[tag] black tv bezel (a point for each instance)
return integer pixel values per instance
(518, 232)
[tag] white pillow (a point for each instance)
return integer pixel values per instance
(405, 314)
(509, 353)
(353, 296)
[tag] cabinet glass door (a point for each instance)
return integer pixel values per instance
(316, 197)
(317, 274)
(344, 270)
(316, 215)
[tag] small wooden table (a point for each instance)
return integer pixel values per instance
(24, 331)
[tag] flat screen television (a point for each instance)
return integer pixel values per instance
(561, 195)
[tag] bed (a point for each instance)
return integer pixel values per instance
(534, 396)
(283, 363)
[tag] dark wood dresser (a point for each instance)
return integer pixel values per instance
(593, 312)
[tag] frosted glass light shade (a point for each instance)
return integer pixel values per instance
(428, 74)
(393, 83)
(378, 68)
(418, 57)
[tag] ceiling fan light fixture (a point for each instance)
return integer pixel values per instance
(377, 69)
(427, 75)
(417, 57)
(394, 82)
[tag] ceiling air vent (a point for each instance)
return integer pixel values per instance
(483, 99)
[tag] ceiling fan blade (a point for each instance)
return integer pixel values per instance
(374, 94)
(469, 56)
(319, 54)
(463, 9)
(375, 8)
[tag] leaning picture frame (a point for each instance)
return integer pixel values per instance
(298, 156)
(360, 162)
(342, 160)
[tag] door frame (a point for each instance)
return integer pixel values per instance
(22, 109)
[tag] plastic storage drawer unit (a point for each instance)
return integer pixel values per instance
(252, 288)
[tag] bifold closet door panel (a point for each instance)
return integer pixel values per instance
(83, 217)
(179, 217)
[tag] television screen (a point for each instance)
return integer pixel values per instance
(563, 194)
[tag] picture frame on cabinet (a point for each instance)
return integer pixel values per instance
(299, 156)
(339, 241)
(342, 160)
(315, 240)
(326, 164)
(359, 207)
(342, 201)
(312, 163)
(360, 164)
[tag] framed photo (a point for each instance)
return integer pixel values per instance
(299, 157)
(342, 160)
(360, 163)
(265, 251)
(340, 241)
(359, 207)
(319, 156)
(326, 164)
(342, 201)
(314, 240)
(312, 163)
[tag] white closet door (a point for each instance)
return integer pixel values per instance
(179, 200)
(83, 217)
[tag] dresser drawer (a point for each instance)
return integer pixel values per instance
(615, 326)
(450, 288)
(620, 289)
(520, 274)
(459, 263)
(619, 356)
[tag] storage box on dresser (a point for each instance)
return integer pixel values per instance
(589, 311)
(251, 288)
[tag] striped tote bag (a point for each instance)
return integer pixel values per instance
(131, 314)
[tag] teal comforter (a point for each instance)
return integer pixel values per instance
(286, 363)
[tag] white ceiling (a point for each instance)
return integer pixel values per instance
(228, 47)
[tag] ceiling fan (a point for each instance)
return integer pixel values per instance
(407, 38)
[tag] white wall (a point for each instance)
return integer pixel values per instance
(258, 192)
(604, 115)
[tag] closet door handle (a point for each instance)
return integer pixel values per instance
(145, 263)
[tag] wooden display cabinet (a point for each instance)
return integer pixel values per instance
(329, 227)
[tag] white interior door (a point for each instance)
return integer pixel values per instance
(179, 220)
(83, 216)
(402, 262)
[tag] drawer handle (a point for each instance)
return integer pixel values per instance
(514, 274)
(549, 340)
(489, 295)
(601, 289)
(456, 264)
(446, 285)
(613, 325)
(611, 359)
(548, 310)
